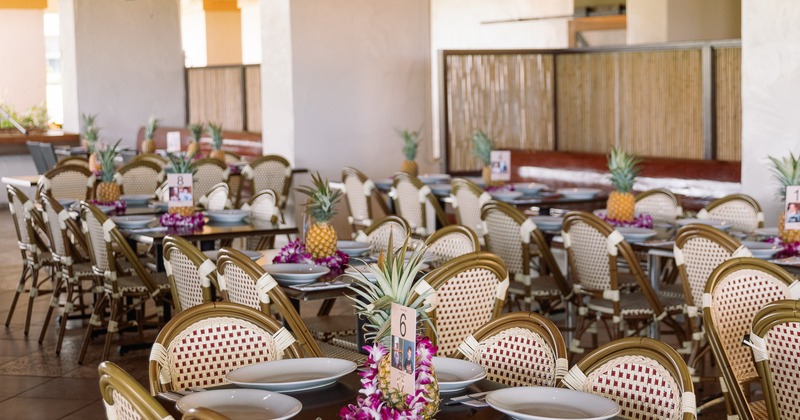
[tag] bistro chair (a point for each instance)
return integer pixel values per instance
(414, 202)
(200, 345)
(379, 233)
(191, 273)
(125, 289)
(208, 173)
(465, 293)
(647, 378)
(34, 251)
(48, 154)
(271, 172)
(263, 208)
(510, 235)
(450, 242)
(68, 182)
(518, 349)
(698, 250)
(359, 190)
(741, 211)
(140, 178)
(661, 204)
(736, 290)
(162, 192)
(594, 249)
(73, 268)
(216, 199)
(776, 328)
(151, 157)
(36, 154)
(466, 198)
(73, 160)
(124, 398)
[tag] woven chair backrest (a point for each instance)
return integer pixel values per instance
(359, 190)
(700, 249)
(452, 241)
(209, 172)
(92, 224)
(68, 182)
(74, 160)
(151, 157)
(162, 192)
(270, 172)
(661, 205)
(468, 199)
(21, 207)
(190, 272)
(409, 205)
(238, 287)
(777, 326)
(588, 251)
(216, 198)
(502, 236)
(378, 233)
(263, 206)
(124, 398)
(740, 211)
(142, 177)
(56, 225)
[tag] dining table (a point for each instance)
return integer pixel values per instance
(24, 181)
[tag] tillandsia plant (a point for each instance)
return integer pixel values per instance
(411, 140)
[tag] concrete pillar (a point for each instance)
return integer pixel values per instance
(659, 21)
(123, 61)
(23, 72)
(223, 32)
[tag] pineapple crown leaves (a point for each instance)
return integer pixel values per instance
(196, 131)
(395, 283)
(150, 128)
(411, 140)
(88, 120)
(106, 155)
(482, 147)
(181, 164)
(215, 130)
(321, 198)
(623, 167)
(786, 171)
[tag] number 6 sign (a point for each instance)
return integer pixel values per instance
(403, 351)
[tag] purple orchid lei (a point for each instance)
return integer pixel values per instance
(788, 249)
(640, 221)
(119, 205)
(295, 252)
(194, 220)
(500, 188)
(372, 405)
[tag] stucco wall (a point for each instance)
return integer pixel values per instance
(22, 72)
(658, 21)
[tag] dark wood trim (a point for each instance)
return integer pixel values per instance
(15, 144)
(243, 90)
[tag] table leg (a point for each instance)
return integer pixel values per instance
(654, 270)
(325, 308)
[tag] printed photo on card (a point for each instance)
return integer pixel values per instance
(180, 190)
(403, 351)
(501, 165)
(792, 208)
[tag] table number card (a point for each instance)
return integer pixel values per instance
(173, 141)
(404, 340)
(792, 208)
(501, 165)
(180, 190)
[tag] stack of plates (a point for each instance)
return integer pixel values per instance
(440, 189)
(529, 188)
(634, 234)
(434, 178)
(136, 199)
(213, 254)
(456, 374)
(133, 222)
(715, 223)
(579, 193)
(226, 216)
(541, 403)
(243, 403)
(506, 195)
(547, 222)
(296, 274)
(767, 231)
(291, 375)
(353, 248)
(762, 250)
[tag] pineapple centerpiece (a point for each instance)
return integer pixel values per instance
(181, 165)
(320, 237)
(787, 173)
(395, 283)
(216, 140)
(410, 143)
(149, 144)
(482, 147)
(623, 168)
(196, 131)
(107, 190)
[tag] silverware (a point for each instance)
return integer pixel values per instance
(478, 397)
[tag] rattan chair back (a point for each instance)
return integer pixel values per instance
(518, 349)
(200, 345)
(661, 204)
(358, 189)
(450, 242)
(68, 182)
(56, 218)
(776, 329)
(22, 210)
(124, 398)
(271, 172)
(151, 157)
(218, 198)
(736, 290)
(263, 206)
(741, 211)
(243, 281)
(465, 293)
(162, 192)
(466, 197)
(208, 173)
(413, 201)
(378, 234)
(231, 157)
(191, 273)
(647, 378)
(74, 160)
(142, 177)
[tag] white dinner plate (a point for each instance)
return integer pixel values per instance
(440, 189)
(66, 202)
(767, 231)
(434, 178)
(579, 193)
(161, 205)
(243, 403)
(212, 254)
(715, 223)
(455, 374)
(384, 184)
(528, 187)
(289, 375)
(296, 274)
(636, 234)
(506, 195)
(545, 403)
(136, 199)
(226, 216)
(105, 209)
(133, 222)
(762, 250)
(547, 222)
(353, 248)
(356, 271)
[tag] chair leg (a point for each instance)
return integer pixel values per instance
(93, 321)
(58, 284)
(20, 288)
(72, 284)
(32, 295)
(113, 325)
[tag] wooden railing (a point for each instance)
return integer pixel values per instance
(679, 101)
(227, 95)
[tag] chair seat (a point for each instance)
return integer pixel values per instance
(543, 286)
(133, 284)
(324, 328)
(759, 410)
(634, 304)
(339, 352)
(671, 290)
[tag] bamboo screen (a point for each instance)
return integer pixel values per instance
(661, 103)
(252, 90)
(509, 96)
(215, 95)
(728, 85)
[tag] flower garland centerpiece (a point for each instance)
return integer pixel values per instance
(395, 283)
(640, 221)
(295, 252)
(119, 205)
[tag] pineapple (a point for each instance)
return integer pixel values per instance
(482, 147)
(181, 165)
(216, 138)
(321, 237)
(395, 283)
(410, 144)
(196, 131)
(787, 173)
(623, 168)
(108, 189)
(149, 144)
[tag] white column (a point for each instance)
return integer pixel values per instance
(22, 72)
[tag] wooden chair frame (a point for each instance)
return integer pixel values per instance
(431, 199)
(665, 193)
(707, 212)
(114, 378)
(119, 177)
(151, 157)
(446, 231)
(367, 233)
(46, 180)
(74, 160)
(198, 259)
(368, 187)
